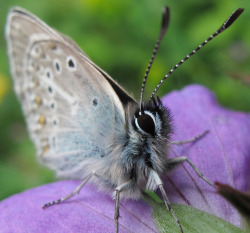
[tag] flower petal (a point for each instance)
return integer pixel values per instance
(90, 211)
(221, 155)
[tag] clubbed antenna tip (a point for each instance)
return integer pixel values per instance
(233, 17)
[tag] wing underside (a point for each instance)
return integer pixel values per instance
(70, 106)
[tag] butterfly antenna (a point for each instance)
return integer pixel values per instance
(224, 26)
(164, 26)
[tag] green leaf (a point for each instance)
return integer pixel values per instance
(192, 220)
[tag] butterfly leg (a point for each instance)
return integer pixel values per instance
(189, 140)
(118, 190)
(76, 191)
(154, 176)
(172, 163)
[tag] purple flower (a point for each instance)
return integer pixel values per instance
(222, 155)
(90, 211)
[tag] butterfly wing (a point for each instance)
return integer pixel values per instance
(71, 106)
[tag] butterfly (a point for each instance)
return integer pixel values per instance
(85, 125)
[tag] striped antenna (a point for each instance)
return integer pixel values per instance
(224, 26)
(164, 27)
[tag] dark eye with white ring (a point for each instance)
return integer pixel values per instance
(145, 122)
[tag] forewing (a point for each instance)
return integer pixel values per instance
(70, 108)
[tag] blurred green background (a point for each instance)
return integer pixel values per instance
(119, 36)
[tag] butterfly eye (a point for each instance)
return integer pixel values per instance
(145, 123)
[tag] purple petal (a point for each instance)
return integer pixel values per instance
(90, 211)
(222, 155)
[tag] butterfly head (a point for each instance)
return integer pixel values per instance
(148, 134)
